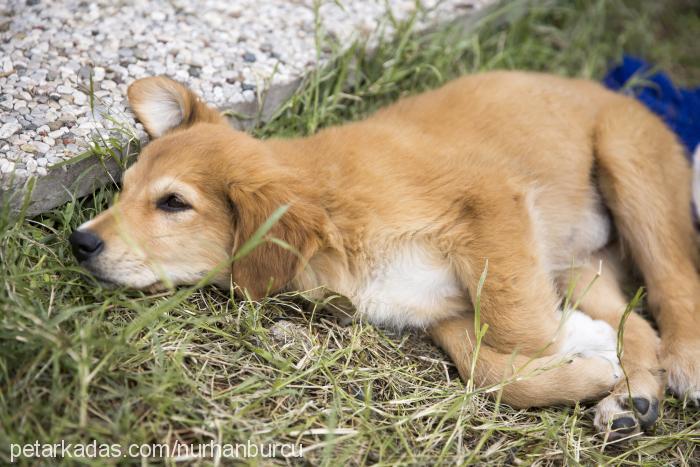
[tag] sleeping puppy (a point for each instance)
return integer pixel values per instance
(519, 176)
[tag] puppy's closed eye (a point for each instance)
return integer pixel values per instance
(172, 203)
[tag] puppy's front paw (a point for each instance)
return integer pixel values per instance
(632, 407)
(681, 360)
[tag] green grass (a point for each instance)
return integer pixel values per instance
(81, 363)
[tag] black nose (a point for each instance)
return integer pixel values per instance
(85, 244)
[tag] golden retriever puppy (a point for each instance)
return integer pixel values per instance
(526, 175)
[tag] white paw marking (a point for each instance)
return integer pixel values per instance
(587, 337)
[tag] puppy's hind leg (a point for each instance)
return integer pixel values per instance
(524, 381)
(646, 183)
(633, 404)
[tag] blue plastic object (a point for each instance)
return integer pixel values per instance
(678, 107)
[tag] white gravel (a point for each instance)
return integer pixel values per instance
(223, 49)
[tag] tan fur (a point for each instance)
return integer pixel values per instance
(512, 168)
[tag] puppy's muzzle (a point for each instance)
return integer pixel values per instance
(85, 245)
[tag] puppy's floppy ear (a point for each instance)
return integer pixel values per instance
(270, 267)
(163, 104)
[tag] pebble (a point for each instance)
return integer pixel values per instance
(28, 148)
(81, 131)
(55, 125)
(58, 133)
(9, 129)
(98, 73)
(6, 66)
(79, 98)
(6, 166)
(84, 74)
(41, 147)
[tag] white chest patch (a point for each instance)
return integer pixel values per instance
(411, 288)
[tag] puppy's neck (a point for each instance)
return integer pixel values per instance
(311, 182)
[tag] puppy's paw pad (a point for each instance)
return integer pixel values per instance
(646, 410)
(622, 427)
(641, 404)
